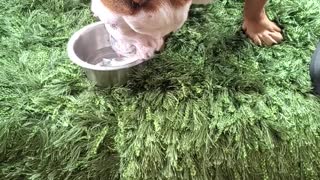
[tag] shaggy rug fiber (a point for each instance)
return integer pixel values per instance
(211, 106)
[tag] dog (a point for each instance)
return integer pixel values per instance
(143, 24)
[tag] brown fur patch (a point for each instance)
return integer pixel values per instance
(131, 7)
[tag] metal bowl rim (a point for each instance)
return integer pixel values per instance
(75, 59)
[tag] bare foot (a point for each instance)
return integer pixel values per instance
(262, 31)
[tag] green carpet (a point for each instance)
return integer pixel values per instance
(212, 106)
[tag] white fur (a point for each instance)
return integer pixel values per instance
(160, 23)
(144, 30)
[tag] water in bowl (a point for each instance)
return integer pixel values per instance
(98, 56)
(108, 57)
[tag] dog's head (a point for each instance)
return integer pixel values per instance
(132, 7)
(151, 17)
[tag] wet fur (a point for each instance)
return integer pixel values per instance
(132, 7)
(142, 23)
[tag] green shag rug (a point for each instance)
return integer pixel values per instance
(212, 106)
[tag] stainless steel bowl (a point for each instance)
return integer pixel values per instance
(88, 46)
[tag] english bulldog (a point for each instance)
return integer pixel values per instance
(141, 25)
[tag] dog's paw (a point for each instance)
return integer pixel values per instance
(148, 46)
(159, 44)
(144, 52)
(262, 32)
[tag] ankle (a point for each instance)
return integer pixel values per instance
(255, 17)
